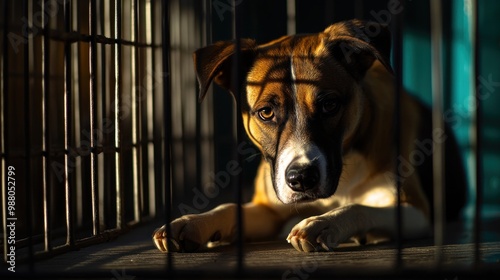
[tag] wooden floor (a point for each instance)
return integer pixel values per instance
(133, 256)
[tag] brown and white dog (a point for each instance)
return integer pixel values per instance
(320, 109)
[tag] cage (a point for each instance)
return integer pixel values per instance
(103, 137)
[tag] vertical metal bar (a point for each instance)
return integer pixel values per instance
(150, 108)
(120, 202)
(3, 121)
(68, 126)
(291, 25)
(208, 129)
(156, 127)
(94, 143)
(207, 9)
(199, 141)
(167, 122)
(239, 135)
(46, 134)
(103, 159)
(358, 9)
(136, 124)
(398, 70)
(437, 125)
(478, 135)
(77, 170)
(27, 147)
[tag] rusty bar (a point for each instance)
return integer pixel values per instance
(167, 123)
(68, 126)
(94, 143)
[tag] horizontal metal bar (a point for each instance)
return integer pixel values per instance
(77, 152)
(81, 243)
(75, 37)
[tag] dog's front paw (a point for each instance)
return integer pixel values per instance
(188, 234)
(314, 234)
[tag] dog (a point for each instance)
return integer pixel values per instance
(320, 108)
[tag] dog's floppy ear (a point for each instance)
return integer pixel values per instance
(214, 63)
(356, 44)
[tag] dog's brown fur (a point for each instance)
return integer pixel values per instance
(330, 102)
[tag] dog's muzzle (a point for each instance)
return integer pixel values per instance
(301, 174)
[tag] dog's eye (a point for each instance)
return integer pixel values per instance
(266, 114)
(330, 106)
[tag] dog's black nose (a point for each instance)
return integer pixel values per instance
(302, 178)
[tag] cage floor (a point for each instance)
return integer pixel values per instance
(134, 255)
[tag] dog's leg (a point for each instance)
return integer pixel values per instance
(190, 232)
(325, 232)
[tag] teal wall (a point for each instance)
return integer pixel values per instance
(459, 80)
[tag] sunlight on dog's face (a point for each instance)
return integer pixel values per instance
(302, 110)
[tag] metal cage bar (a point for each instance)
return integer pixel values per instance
(71, 151)
(94, 143)
(136, 114)
(239, 134)
(103, 160)
(157, 130)
(68, 127)
(27, 148)
(120, 200)
(167, 125)
(438, 124)
(478, 134)
(46, 137)
(4, 118)
(398, 86)
(149, 109)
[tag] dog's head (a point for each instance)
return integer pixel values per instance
(302, 99)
